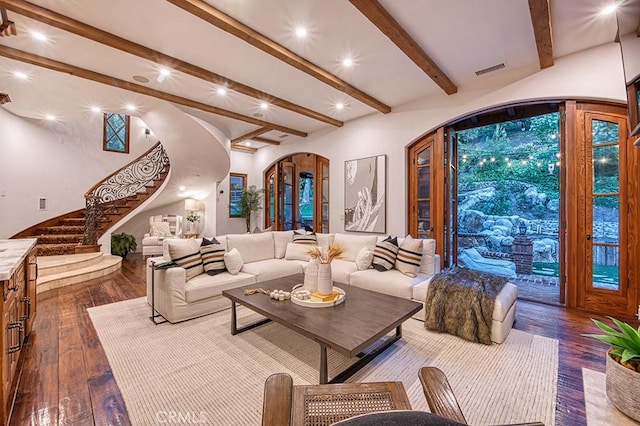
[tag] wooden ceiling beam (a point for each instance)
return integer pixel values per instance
(241, 148)
(225, 22)
(383, 20)
(250, 135)
(265, 140)
(81, 29)
(541, 21)
(54, 65)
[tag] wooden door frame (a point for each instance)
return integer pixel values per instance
(577, 190)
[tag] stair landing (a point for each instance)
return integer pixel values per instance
(62, 270)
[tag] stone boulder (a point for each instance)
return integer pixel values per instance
(470, 221)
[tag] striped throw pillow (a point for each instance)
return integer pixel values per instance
(409, 256)
(384, 254)
(186, 254)
(212, 253)
(304, 237)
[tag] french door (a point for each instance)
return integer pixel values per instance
(607, 280)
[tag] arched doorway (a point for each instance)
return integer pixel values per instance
(297, 193)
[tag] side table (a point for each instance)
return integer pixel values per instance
(190, 234)
(155, 267)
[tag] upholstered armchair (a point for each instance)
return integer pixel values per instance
(161, 227)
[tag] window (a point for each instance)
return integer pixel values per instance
(116, 132)
(237, 184)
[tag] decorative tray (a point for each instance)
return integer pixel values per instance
(310, 303)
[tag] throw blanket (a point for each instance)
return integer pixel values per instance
(460, 302)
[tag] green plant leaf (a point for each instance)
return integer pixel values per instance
(629, 331)
(612, 340)
(628, 354)
(604, 327)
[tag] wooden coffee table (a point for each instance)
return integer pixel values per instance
(360, 323)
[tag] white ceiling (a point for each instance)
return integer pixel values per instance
(461, 36)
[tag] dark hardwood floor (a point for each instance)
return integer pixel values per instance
(67, 380)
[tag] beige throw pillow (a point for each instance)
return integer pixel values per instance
(186, 254)
(160, 229)
(233, 261)
(409, 256)
(212, 253)
(298, 252)
(385, 253)
(364, 258)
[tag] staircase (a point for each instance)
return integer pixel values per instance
(111, 200)
(60, 271)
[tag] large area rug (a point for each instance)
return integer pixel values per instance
(196, 369)
(600, 411)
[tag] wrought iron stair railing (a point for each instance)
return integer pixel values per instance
(113, 192)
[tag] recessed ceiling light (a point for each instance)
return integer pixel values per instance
(247, 143)
(264, 105)
(339, 105)
(96, 109)
(50, 117)
(182, 188)
(347, 62)
(164, 73)
(609, 9)
(131, 107)
(301, 32)
(39, 36)
(221, 91)
(20, 75)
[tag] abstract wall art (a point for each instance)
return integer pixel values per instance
(365, 207)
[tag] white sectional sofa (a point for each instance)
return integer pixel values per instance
(271, 255)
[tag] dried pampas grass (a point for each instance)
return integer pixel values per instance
(334, 251)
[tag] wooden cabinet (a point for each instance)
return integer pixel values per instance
(18, 312)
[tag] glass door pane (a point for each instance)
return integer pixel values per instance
(287, 196)
(603, 238)
(423, 199)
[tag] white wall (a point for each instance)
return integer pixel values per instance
(595, 73)
(56, 160)
(241, 162)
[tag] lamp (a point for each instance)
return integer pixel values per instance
(191, 206)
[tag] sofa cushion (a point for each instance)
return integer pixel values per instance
(252, 247)
(152, 241)
(271, 269)
(364, 258)
(324, 240)
(353, 243)
(297, 252)
(212, 253)
(304, 237)
(233, 261)
(186, 254)
(428, 263)
(205, 286)
(409, 256)
(392, 282)
(341, 270)
(385, 253)
(280, 241)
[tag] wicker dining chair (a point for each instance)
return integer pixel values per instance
(315, 405)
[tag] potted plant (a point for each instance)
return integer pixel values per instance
(250, 202)
(623, 365)
(192, 219)
(122, 243)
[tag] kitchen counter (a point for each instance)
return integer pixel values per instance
(12, 252)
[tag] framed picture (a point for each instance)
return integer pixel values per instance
(365, 194)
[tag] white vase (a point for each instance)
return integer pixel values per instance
(325, 283)
(311, 275)
(192, 227)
